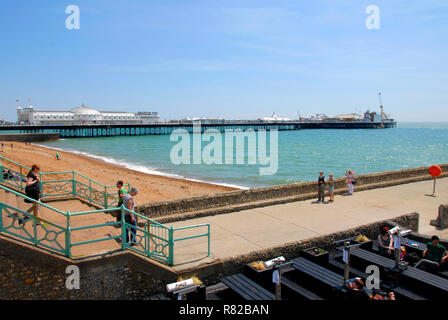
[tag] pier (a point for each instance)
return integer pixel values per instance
(110, 130)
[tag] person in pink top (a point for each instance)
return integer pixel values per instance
(350, 179)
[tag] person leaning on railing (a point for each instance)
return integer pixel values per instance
(33, 191)
(129, 218)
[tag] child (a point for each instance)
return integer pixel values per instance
(350, 181)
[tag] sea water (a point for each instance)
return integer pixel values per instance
(302, 154)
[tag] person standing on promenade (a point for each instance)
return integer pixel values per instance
(350, 180)
(57, 155)
(121, 193)
(331, 185)
(321, 187)
(129, 218)
(33, 191)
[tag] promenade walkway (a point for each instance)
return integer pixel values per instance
(242, 232)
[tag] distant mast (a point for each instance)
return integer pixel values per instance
(381, 107)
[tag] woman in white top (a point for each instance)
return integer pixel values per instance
(350, 179)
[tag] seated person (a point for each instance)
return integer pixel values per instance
(358, 290)
(380, 295)
(433, 257)
(385, 243)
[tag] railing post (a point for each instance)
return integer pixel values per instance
(147, 237)
(74, 184)
(208, 227)
(123, 229)
(171, 246)
(90, 190)
(21, 178)
(105, 197)
(41, 185)
(1, 217)
(68, 242)
(1, 172)
(34, 219)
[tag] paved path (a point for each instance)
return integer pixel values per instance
(256, 229)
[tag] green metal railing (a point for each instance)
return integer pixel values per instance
(25, 226)
(152, 239)
(60, 184)
(14, 174)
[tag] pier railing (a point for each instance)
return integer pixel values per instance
(60, 184)
(21, 218)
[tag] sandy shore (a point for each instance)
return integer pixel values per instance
(152, 187)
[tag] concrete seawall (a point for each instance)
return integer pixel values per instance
(29, 137)
(172, 210)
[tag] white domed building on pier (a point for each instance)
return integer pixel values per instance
(83, 115)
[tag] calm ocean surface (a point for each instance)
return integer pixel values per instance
(301, 154)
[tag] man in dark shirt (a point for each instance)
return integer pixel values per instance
(435, 251)
(434, 256)
(321, 187)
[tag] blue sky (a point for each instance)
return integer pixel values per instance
(233, 58)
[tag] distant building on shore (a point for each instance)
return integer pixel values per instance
(83, 115)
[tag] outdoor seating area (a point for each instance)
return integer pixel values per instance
(325, 276)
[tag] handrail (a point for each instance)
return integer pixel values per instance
(30, 215)
(197, 236)
(63, 172)
(32, 200)
(98, 187)
(93, 212)
(153, 222)
(16, 163)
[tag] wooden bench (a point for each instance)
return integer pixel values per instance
(246, 288)
(330, 279)
(422, 278)
(401, 291)
(418, 250)
(297, 290)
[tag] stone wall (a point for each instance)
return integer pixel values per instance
(29, 137)
(30, 273)
(278, 194)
